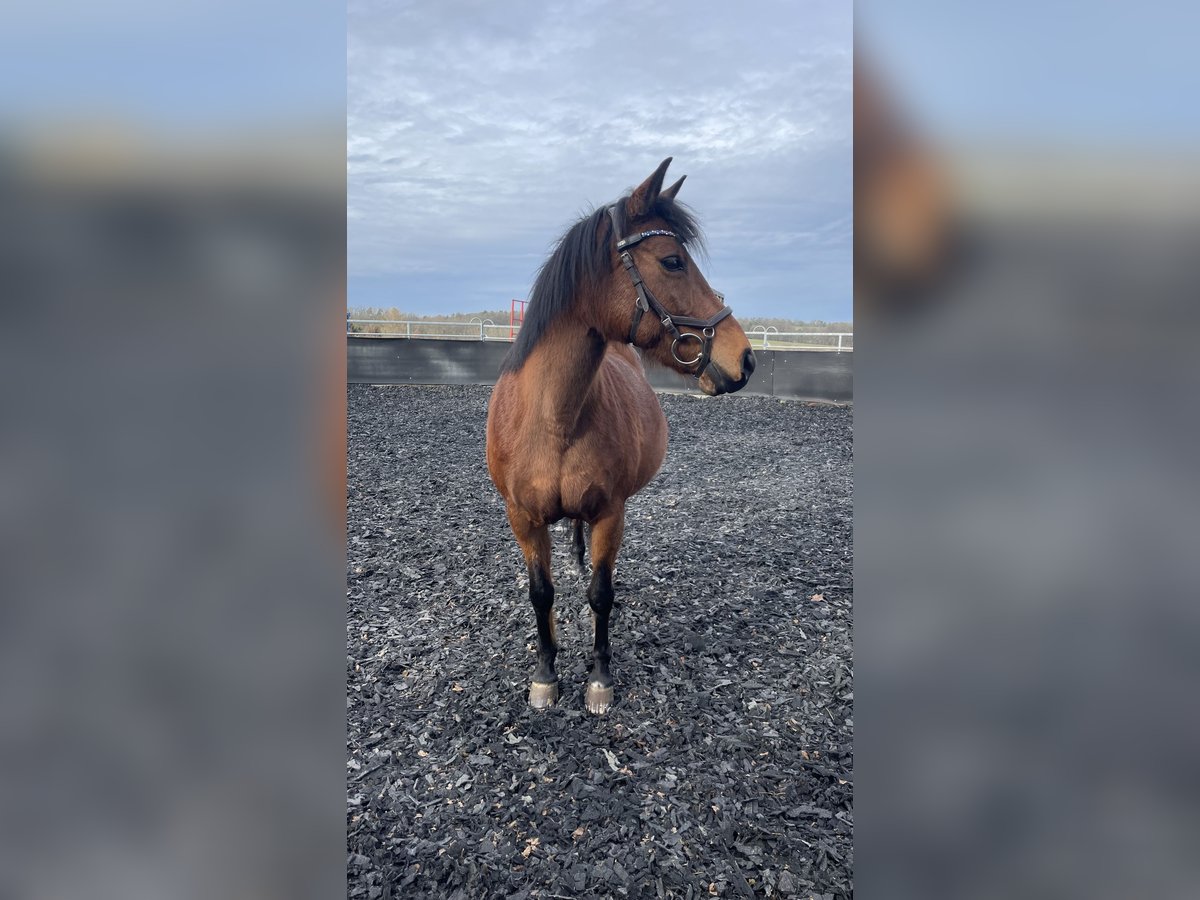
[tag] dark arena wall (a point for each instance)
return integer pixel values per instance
(795, 374)
(725, 767)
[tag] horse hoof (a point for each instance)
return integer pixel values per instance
(543, 696)
(599, 698)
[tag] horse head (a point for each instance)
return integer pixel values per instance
(675, 318)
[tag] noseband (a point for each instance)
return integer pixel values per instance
(647, 301)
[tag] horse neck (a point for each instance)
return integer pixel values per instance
(563, 371)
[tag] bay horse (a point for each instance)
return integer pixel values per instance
(574, 428)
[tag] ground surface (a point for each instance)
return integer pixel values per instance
(725, 766)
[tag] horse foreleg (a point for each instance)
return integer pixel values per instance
(606, 542)
(535, 544)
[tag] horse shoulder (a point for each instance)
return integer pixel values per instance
(638, 403)
(627, 366)
(503, 423)
(522, 463)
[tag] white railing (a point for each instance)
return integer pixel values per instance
(761, 337)
(474, 330)
(767, 336)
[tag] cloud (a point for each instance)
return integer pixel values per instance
(478, 132)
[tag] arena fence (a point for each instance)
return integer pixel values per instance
(393, 359)
(761, 337)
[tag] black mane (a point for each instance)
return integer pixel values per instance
(582, 258)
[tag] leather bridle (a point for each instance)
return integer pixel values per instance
(646, 301)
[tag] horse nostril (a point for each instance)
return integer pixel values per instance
(748, 362)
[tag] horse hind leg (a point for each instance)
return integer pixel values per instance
(606, 542)
(535, 545)
(578, 547)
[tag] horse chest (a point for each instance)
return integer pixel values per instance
(553, 461)
(560, 482)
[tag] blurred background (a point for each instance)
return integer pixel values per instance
(172, 249)
(1026, 235)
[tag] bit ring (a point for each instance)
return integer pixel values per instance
(699, 354)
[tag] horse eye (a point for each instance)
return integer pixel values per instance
(672, 263)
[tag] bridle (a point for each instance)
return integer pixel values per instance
(646, 301)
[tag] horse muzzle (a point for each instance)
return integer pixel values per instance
(714, 380)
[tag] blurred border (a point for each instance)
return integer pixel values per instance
(172, 248)
(1026, 500)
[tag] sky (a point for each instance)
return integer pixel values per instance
(477, 133)
(179, 65)
(1075, 72)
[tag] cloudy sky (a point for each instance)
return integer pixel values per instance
(479, 131)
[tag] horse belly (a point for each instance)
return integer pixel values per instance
(654, 445)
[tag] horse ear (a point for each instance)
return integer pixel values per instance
(670, 192)
(646, 194)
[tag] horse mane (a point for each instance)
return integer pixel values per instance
(582, 259)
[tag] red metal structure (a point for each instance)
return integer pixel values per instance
(516, 315)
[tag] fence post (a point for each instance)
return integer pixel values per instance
(408, 329)
(839, 342)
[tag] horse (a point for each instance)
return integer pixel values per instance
(573, 427)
